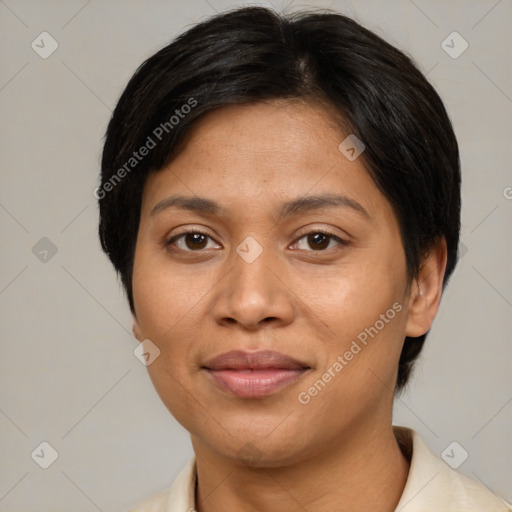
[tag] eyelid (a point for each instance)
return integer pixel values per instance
(326, 231)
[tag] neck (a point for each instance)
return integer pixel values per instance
(362, 472)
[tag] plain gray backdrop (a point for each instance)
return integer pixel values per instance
(68, 373)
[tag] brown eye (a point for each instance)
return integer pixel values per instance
(189, 241)
(195, 240)
(320, 241)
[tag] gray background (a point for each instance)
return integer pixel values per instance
(68, 373)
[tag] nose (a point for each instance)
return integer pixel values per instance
(254, 294)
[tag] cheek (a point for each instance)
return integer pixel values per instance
(166, 316)
(168, 305)
(365, 311)
(163, 293)
(167, 319)
(353, 297)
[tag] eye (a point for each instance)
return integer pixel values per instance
(194, 241)
(190, 241)
(320, 240)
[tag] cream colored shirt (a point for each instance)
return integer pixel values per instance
(432, 486)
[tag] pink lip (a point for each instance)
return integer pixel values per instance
(254, 383)
(254, 374)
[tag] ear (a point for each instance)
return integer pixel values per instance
(136, 330)
(426, 291)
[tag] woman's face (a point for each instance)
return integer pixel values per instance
(263, 276)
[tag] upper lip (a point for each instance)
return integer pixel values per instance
(263, 359)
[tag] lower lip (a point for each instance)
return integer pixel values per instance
(256, 383)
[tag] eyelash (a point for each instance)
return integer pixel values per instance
(340, 241)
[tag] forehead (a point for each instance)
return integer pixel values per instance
(249, 153)
(296, 130)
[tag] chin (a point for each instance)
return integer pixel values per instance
(260, 451)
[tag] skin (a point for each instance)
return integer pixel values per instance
(198, 299)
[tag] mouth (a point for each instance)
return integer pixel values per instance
(254, 374)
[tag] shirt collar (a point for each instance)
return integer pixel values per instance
(431, 485)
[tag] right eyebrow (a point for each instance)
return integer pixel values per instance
(195, 204)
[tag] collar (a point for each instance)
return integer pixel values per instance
(431, 485)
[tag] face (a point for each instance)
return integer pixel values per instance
(260, 265)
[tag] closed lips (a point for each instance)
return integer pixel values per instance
(261, 360)
(256, 374)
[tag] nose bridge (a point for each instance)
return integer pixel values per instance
(252, 292)
(251, 265)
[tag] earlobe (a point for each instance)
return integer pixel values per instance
(426, 291)
(136, 330)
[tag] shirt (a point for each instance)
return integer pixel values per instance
(431, 485)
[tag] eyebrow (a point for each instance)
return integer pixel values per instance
(296, 206)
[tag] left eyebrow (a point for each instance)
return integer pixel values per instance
(296, 206)
(309, 203)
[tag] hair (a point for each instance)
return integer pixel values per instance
(254, 54)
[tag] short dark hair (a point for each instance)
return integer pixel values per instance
(255, 54)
